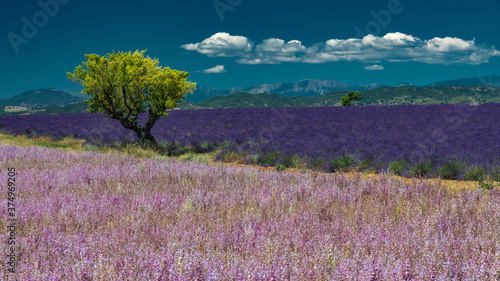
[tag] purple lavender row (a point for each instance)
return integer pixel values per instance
(91, 216)
(451, 141)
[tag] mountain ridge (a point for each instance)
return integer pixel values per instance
(52, 100)
(315, 87)
(41, 97)
(387, 95)
(491, 80)
(304, 87)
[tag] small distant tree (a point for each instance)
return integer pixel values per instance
(123, 85)
(347, 99)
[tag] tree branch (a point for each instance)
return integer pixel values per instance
(126, 104)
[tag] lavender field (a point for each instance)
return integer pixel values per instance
(91, 216)
(448, 141)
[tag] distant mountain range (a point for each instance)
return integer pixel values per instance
(306, 92)
(310, 87)
(401, 95)
(41, 97)
(306, 88)
(491, 80)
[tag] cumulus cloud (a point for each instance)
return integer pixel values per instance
(275, 45)
(373, 67)
(216, 69)
(392, 47)
(221, 44)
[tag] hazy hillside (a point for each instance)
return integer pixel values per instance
(247, 100)
(72, 108)
(306, 87)
(312, 87)
(203, 93)
(304, 93)
(491, 80)
(41, 97)
(430, 95)
(378, 96)
(51, 109)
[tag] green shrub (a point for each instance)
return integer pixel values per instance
(317, 164)
(231, 156)
(225, 153)
(280, 167)
(205, 145)
(421, 169)
(270, 158)
(451, 170)
(398, 166)
(364, 164)
(171, 148)
(495, 173)
(166, 148)
(164, 144)
(90, 147)
(474, 173)
(252, 159)
(198, 157)
(342, 163)
(487, 183)
(293, 161)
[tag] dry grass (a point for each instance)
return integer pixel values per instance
(67, 144)
(452, 184)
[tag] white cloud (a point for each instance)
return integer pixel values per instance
(393, 47)
(221, 45)
(448, 44)
(279, 45)
(215, 69)
(373, 67)
(270, 45)
(400, 38)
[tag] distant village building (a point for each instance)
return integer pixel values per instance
(15, 108)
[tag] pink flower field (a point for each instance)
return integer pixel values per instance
(92, 216)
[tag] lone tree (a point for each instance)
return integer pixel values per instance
(123, 85)
(347, 99)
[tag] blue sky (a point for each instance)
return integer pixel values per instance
(238, 43)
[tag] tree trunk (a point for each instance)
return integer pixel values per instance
(145, 137)
(143, 132)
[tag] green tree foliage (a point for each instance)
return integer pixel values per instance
(347, 99)
(123, 85)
